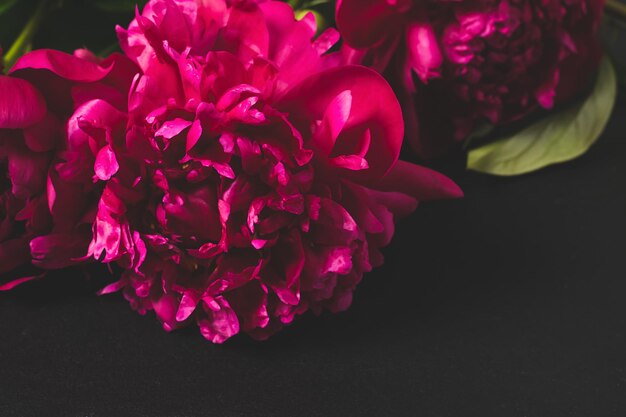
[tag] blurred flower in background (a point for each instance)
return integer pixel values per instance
(475, 61)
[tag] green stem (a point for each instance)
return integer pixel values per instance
(616, 7)
(314, 3)
(23, 41)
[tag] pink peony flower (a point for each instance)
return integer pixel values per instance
(476, 61)
(254, 181)
(47, 193)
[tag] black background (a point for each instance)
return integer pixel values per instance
(511, 302)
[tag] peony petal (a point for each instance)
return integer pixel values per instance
(221, 324)
(424, 55)
(21, 105)
(337, 115)
(419, 182)
(172, 128)
(61, 64)
(250, 303)
(59, 250)
(364, 23)
(351, 162)
(291, 48)
(113, 287)
(28, 172)
(374, 107)
(45, 135)
(165, 308)
(246, 32)
(187, 306)
(12, 284)
(106, 164)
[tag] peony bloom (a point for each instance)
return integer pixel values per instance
(474, 61)
(255, 181)
(47, 193)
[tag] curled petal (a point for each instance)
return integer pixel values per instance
(374, 113)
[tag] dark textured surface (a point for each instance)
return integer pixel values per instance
(508, 303)
(511, 302)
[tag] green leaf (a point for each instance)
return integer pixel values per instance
(23, 43)
(558, 138)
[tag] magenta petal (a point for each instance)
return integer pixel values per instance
(12, 284)
(28, 172)
(351, 162)
(250, 303)
(43, 136)
(165, 308)
(291, 49)
(419, 182)
(399, 204)
(113, 287)
(364, 23)
(221, 324)
(59, 250)
(187, 306)
(424, 53)
(61, 64)
(546, 92)
(21, 105)
(374, 108)
(338, 259)
(106, 164)
(337, 115)
(66, 201)
(326, 40)
(246, 32)
(172, 128)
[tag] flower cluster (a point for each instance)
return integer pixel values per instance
(234, 170)
(47, 196)
(474, 60)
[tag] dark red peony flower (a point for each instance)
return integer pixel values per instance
(47, 193)
(475, 61)
(254, 180)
